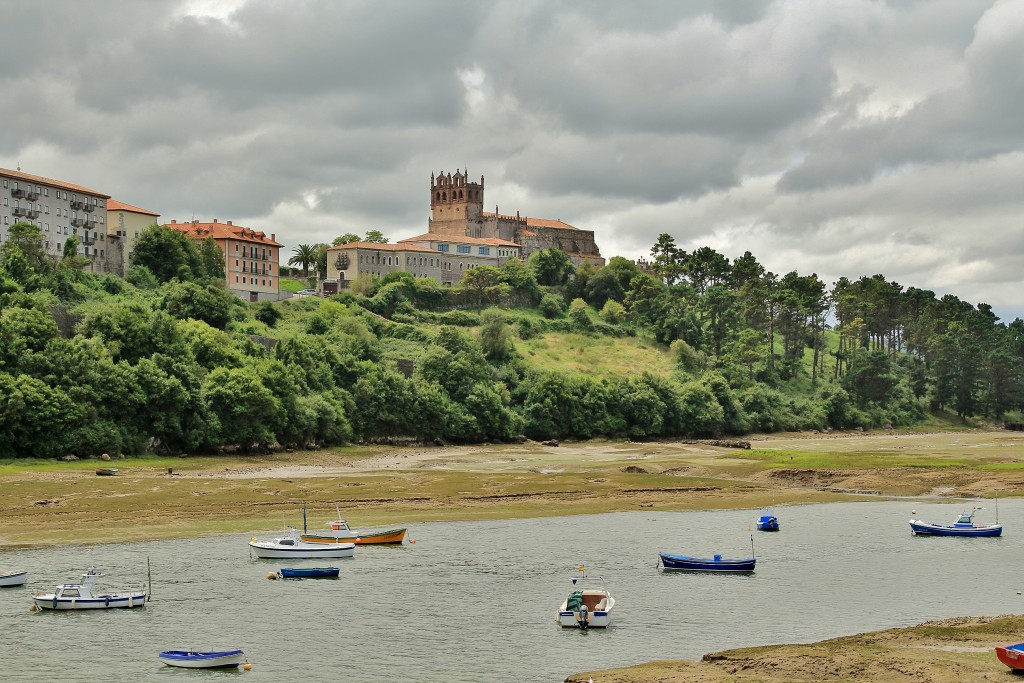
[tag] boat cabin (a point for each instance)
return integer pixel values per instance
(966, 519)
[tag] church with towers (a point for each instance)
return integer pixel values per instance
(457, 210)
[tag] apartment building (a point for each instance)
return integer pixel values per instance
(61, 210)
(250, 257)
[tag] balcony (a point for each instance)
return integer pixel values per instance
(32, 195)
(17, 192)
(32, 214)
(78, 222)
(90, 224)
(77, 204)
(19, 211)
(89, 207)
(88, 241)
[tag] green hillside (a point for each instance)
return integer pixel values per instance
(168, 360)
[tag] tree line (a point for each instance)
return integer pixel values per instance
(169, 360)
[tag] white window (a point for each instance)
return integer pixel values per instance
(46, 209)
(7, 220)
(46, 192)
(46, 227)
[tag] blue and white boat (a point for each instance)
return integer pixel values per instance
(767, 521)
(82, 596)
(190, 659)
(309, 572)
(8, 579)
(707, 564)
(589, 605)
(963, 526)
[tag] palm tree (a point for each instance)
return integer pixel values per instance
(305, 255)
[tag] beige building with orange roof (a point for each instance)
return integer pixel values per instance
(250, 257)
(60, 210)
(456, 210)
(124, 223)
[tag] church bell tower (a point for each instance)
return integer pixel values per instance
(455, 203)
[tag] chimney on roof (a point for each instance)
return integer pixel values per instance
(214, 220)
(273, 237)
(173, 221)
(229, 222)
(195, 221)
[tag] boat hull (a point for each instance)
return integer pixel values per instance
(202, 660)
(771, 524)
(391, 536)
(97, 602)
(302, 551)
(1012, 656)
(14, 579)
(919, 528)
(600, 619)
(706, 564)
(310, 573)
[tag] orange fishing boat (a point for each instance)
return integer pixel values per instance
(339, 530)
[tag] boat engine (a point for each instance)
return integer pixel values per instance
(584, 616)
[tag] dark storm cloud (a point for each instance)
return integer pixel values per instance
(841, 138)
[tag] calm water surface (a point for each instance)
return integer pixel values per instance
(476, 601)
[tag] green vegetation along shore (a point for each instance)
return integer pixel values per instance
(167, 360)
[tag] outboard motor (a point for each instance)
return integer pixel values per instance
(584, 616)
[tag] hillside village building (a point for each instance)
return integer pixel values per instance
(60, 210)
(460, 236)
(125, 222)
(250, 257)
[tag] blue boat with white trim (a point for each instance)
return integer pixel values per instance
(767, 521)
(963, 526)
(707, 564)
(309, 572)
(190, 659)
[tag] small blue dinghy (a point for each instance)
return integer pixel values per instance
(767, 521)
(189, 659)
(310, 572)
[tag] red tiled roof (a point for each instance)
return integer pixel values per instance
(548, 223)
(114, 205)
(221, 231)
(50, 181)
(535, 222)
(435, 237)
(381, 247)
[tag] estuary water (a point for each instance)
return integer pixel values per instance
(476, 601)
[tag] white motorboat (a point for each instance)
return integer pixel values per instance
(291, 546)
(8, 579)
(82, 596)
(589, 605)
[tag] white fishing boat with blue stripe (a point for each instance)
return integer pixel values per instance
(82, 596)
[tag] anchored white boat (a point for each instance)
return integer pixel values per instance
(291, 546)
(8, 579)
(82, 596)
(190, 659)
(589, 605)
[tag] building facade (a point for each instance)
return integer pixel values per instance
(60, 210)
(445, 260)
(457, 210)
(251, 258)
(124, 224)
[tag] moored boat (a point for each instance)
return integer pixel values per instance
(589, 604)
(340, 530)
(190, 659)
(309, 572)
(292, 546)
(767, 521)
(963, 526)
(1012, 656)
(707, 564)
(11, 579)
(82, 596)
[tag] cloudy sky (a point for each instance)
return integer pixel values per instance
(845, 137)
